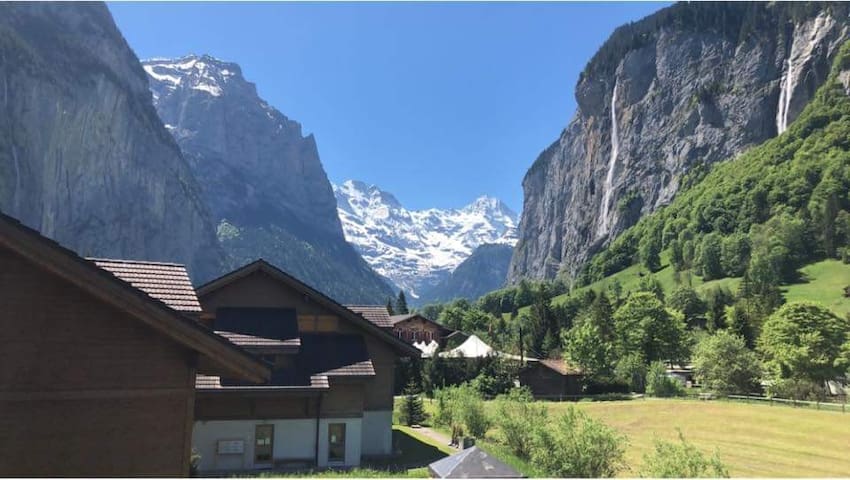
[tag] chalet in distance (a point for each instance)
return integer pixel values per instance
(97, 378)
(413, 328)
(550, 379)
(330, 398)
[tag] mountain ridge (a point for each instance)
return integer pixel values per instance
(261, 176)
(416, 249)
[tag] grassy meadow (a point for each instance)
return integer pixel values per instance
(753, 440)
(821, 282)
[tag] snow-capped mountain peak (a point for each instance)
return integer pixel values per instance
(197, 72)
(418, 248)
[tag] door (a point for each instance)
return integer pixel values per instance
(263, 445)
(336, 443)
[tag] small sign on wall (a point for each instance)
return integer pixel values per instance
(231, 447)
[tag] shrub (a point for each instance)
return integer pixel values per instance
(517, 418)
(470, 407)
(680, 460)
(659, 384)
(462, 405)
(575, 445)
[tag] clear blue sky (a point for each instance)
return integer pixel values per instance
(437, 102)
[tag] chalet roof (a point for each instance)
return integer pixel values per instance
(167, 282)
(376, 314)
(213, 383)
(472, 463)
(401, 347)
(320, 357)
(559, 366)
(251, 341)
(217, 354)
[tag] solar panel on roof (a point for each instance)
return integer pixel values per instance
(276, 323)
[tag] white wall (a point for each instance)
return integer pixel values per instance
(293, 439)
(377, 432)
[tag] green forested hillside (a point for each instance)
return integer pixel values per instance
(751, 258)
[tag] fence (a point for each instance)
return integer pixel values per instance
(832, 406)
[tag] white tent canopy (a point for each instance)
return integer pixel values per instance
(428, 349)
(474, 347)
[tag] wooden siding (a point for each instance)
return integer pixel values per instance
(416, 329)
(547, 383)
(85, 390)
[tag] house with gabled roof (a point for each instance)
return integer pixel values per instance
(97, 376)
(416, 328)
(329, 401)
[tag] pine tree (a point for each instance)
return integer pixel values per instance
(412, 410)
(390, 308)
(401, 304)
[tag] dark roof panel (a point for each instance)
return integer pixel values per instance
(271, 323)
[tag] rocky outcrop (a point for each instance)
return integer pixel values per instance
(261, 177)
(83, 156)
(661, 101)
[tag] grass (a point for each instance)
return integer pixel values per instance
(823, 282)
(753, 440)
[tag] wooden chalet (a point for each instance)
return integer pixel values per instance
(330, 398)
(97, 377)
(414, 328)
(550, 379)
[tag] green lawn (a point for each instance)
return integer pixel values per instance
(752, 440)
(823, 282)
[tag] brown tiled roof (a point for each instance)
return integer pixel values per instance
(364, 368)
(376, 314)
(166, 282)
(209, 382)
(400, 318)
(559, 366)
(248, 341)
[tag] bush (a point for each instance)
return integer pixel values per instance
(575, 445)
(680, 460)
(462, 406)
(470, 406)
(517, 418)
(659, 384)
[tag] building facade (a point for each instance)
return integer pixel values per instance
(330, 398)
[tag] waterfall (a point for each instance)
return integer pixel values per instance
(812, 33)
(609, 177)
(785, 88)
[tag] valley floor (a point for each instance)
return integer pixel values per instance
(752, 440)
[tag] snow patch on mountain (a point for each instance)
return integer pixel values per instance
(418, 248)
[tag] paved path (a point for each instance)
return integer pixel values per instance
(438, 437)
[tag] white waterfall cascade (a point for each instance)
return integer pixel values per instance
(604, 208)
(812, 33)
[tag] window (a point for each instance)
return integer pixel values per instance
(263, 444)
(336, 443)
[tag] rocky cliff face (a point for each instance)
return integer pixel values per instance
(418, 249)
(83, 156)
(663, 99)
(481, 272)
(261, 177)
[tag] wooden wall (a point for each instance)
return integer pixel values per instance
(84, 390)
(546, 383)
